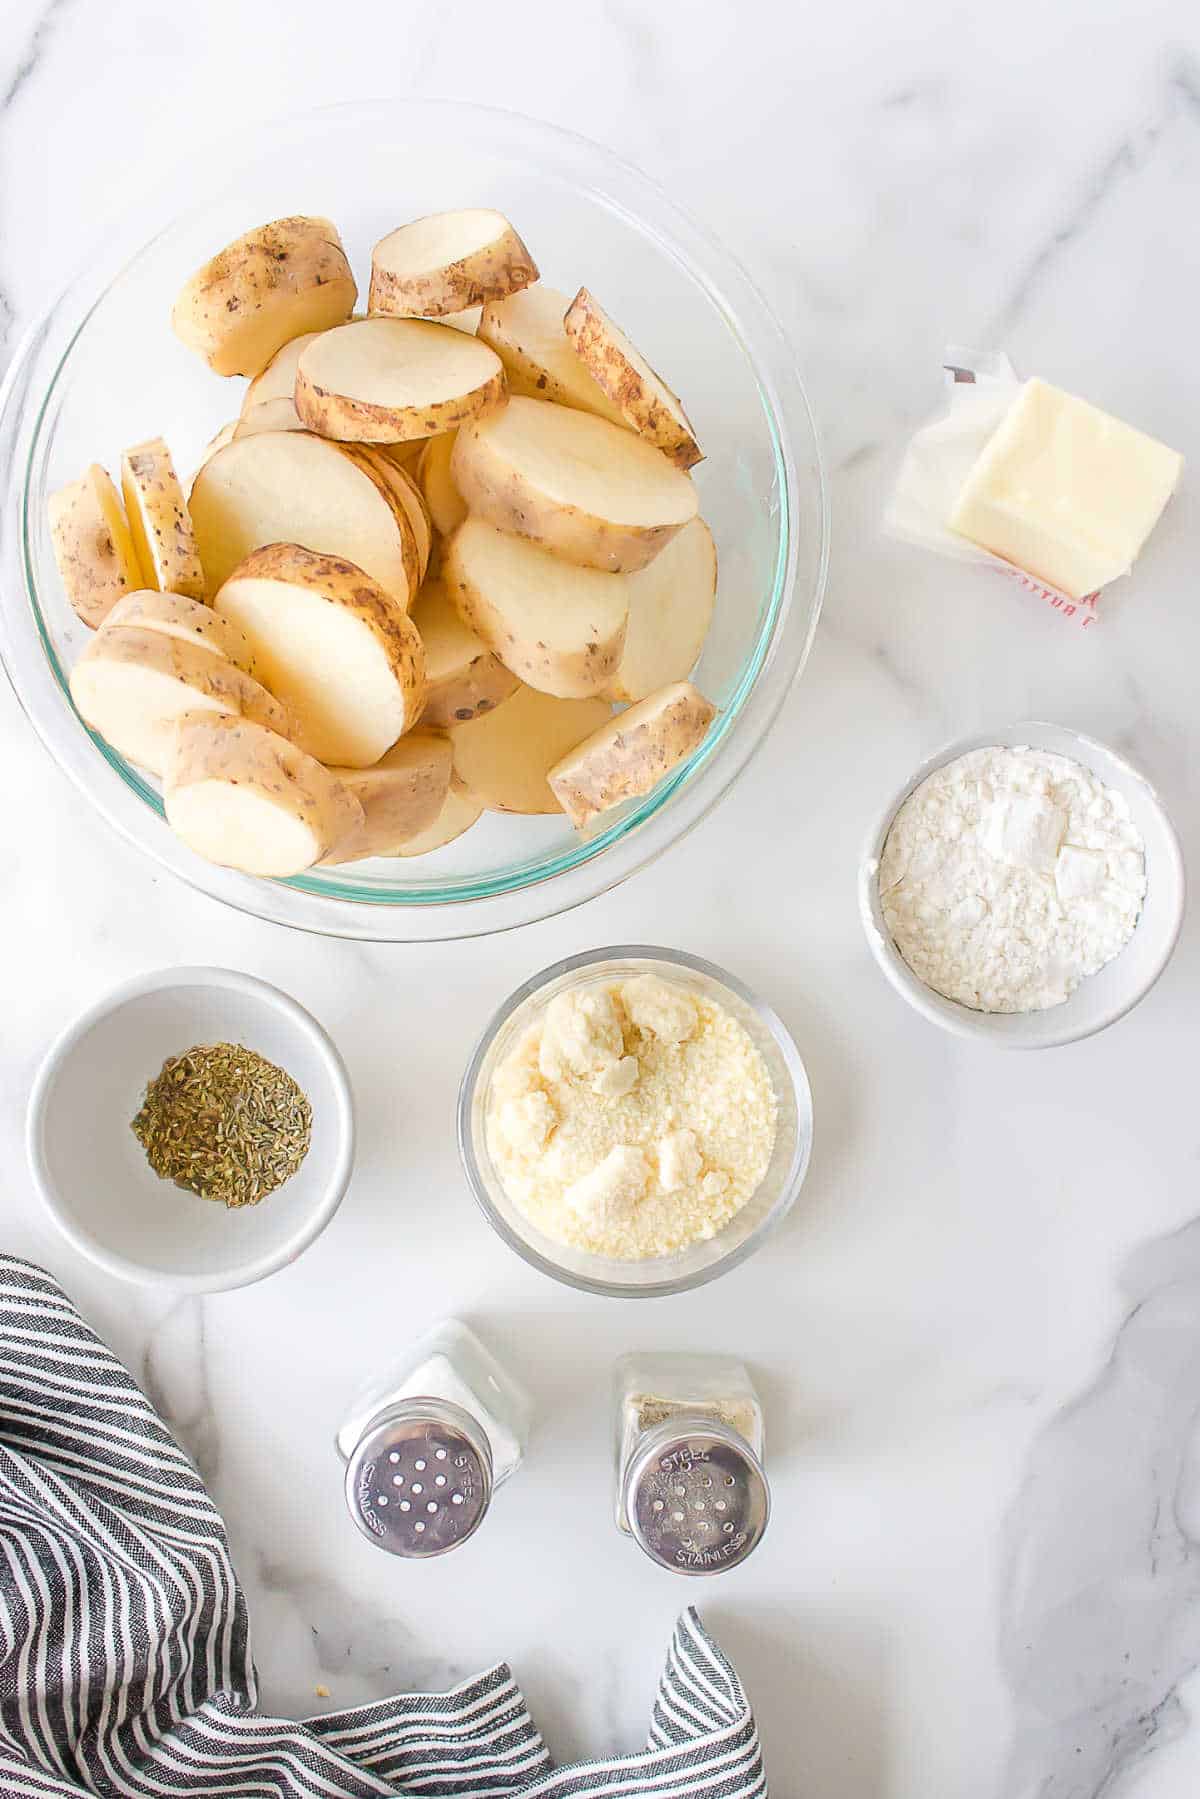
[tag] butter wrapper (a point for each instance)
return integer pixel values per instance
(982, 385)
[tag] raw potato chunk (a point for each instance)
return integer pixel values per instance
(408, 496)
(467, 320)
(504, 757)
(131, 685)
(561, 628)
(405, 456)
(465, 678)
(631, 753)
(587, 490)
(643, 398)
(528, 334)
(382, 471)
(400, 797)
(292, 487)
(388, 380)
(334, 646)
(460, 810)
(93, 546)
(447, 508)
(447, 263)
(159, 521)
(269, 415)
(217, 442)
(278, 379)
(189, 620)
(670, 610)
(273, 284)
(242, 796)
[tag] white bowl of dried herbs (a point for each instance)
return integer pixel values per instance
(195, 1129)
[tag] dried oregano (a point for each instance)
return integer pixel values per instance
(224, 1122)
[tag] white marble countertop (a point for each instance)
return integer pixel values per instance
(980, 1375)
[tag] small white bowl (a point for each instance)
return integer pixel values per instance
(1102, 998)
(93, 1175)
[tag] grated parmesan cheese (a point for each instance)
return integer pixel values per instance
(631, 1119)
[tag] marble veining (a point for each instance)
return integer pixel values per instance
(979, 1335)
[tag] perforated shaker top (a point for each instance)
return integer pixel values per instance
(696, 1496)
(420, 1480)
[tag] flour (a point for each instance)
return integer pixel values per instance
(1009, 876)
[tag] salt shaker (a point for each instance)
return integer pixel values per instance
(426, 1445)
(691, 1490)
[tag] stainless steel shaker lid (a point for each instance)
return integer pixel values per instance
(696, 1496)
(420, 1480)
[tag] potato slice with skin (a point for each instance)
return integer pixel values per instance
(278, 379)
(448, 262)
(93, 545)
(274, 284)
(293, 487)
(467, 320)
(269, 415)
(643, 399)
(401, 796)
(590, 491)
(244, 797)
(670, 610)
(447, 508)
(132, 684)
(217, 442)
(460, 810)
(159, 521)
(383, 380)
(504, 757)
(405, 456)
(189, 620)
(631, 753)
(559, 627)
(465, 677)
(386, 477)
(408, 497)
(527, 332)
(334, 646)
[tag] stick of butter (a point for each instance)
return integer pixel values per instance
(1065, 491)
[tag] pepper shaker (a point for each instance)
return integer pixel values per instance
(691, 1489)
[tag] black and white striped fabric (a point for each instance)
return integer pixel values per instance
(125, 1665)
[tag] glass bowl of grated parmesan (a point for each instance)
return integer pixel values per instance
(634, 1121)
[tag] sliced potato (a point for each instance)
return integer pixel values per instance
(559, 627)
(466, 320)
(407, 455)
(447, 508)
(278, 379)
(401, 796)
(642, 397)
(465, 678)
(217, 442)
(334, 646)
(528, 334)
(503, 757)
(387, 380)
(293, 487)
(189, 620)
(448, 262)
(387, 478)
(93, 545)
(670, 610)
(132, 684)
(408, 497)
(584, 488)
(275, 283)
(159, 521)
(242, 796)
(269, 415)
(631, 753)
(460, 810)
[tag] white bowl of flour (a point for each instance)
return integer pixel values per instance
(1025, 886)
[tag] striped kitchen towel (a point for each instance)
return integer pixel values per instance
(125, 1665)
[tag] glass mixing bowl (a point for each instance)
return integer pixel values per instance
(702, 1261)
(103, 369)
